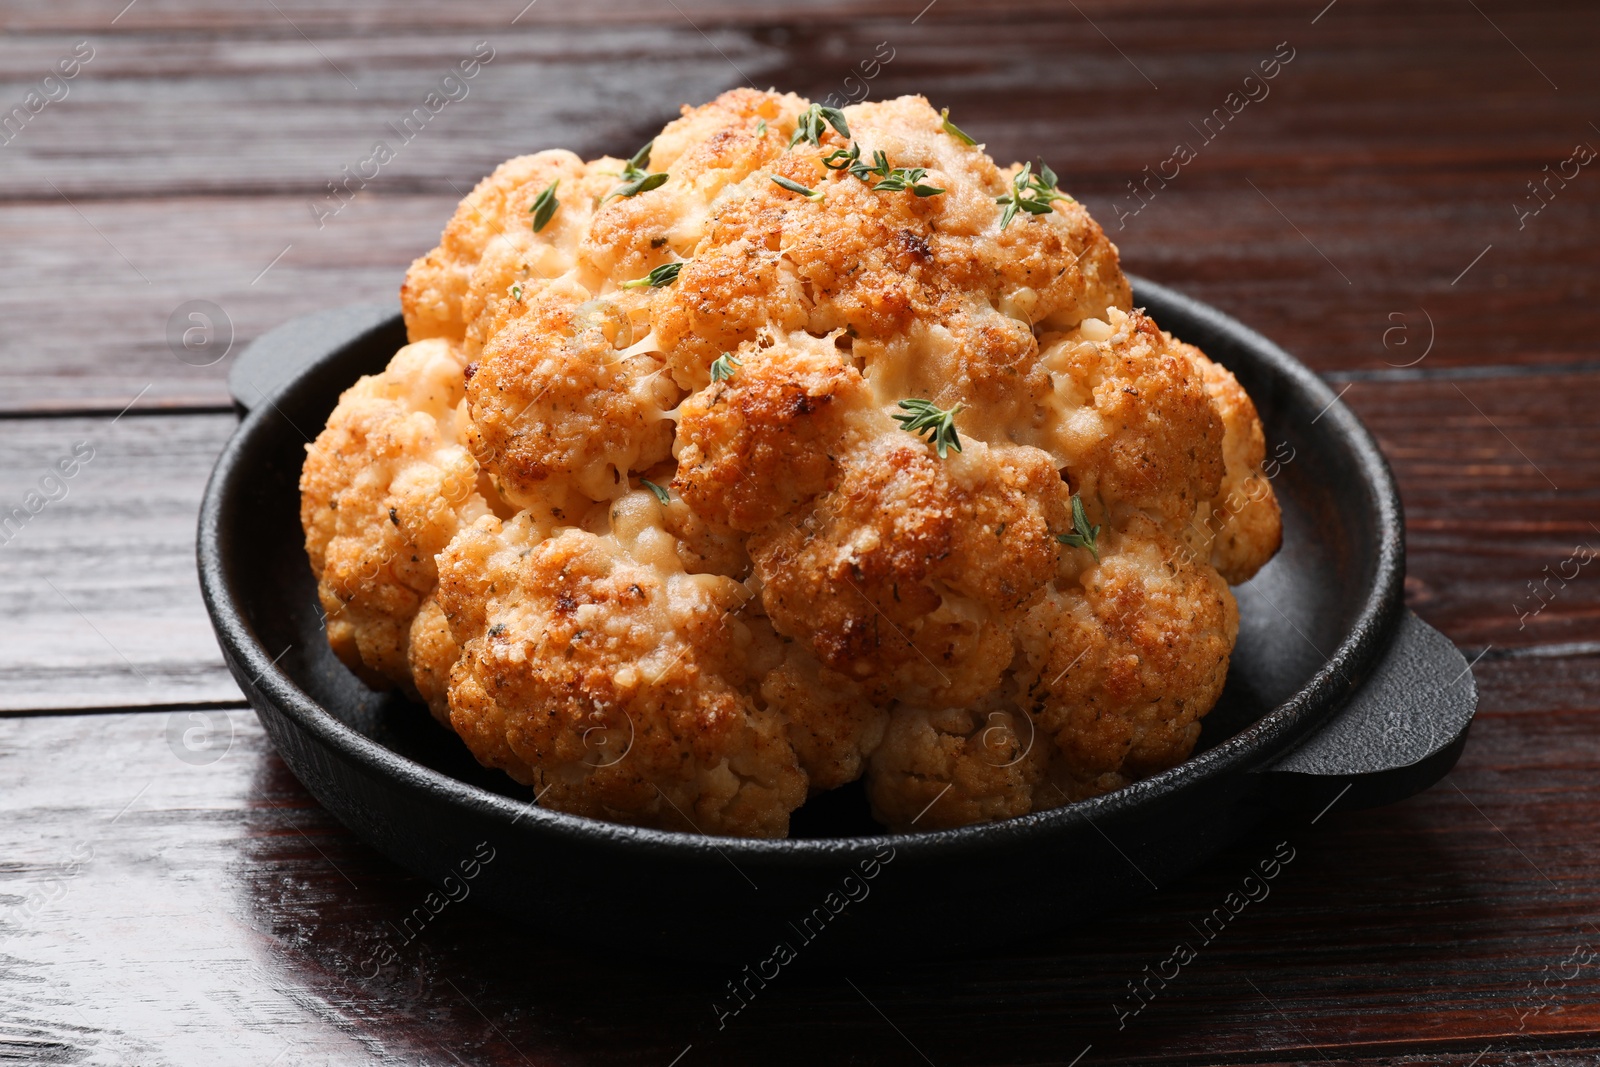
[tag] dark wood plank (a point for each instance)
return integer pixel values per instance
(99, 601)
(59, 356)
(1396, 144)
(348, 15)
(223, 916)
(1499, 478)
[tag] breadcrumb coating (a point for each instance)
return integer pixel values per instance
(715, 572)
(952, 767)
(1120, 665)
(560, 416)
(1244, 518)
(384, 488)
(599, 672)
(909, 575)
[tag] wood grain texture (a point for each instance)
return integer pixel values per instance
(1396, 144)
(99, 599)
(158, 909)
(60, 358)
(162, 911)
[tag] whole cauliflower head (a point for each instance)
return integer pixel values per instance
(802, 447)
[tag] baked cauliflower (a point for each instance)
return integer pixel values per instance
(804, 446)
(385, 487)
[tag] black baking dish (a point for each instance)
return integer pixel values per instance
(1337, 697)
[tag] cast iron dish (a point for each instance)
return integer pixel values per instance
(1337, 697)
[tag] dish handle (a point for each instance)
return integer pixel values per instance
(273, 360)
(1397, 735)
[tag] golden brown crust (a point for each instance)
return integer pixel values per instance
(437, 285)
(1244, 518)
(953, 767)
(561, 414)
(611, 681)
(764, 442)
(905, 576)
(833, 724)
(805, 593)
(1135, 423)
(432, 654)
(384, 488)
(1122, 665)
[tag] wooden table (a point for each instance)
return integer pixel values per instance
(1371, 211)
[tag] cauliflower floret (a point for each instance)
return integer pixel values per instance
(597, 671)
(384, 488)
(560, 415)
(1245, 521)
(953, 767)
(722, 569)
(908, 575)
(765, 441)
(917, 276)
(431, 655)
(703, 547)
(702, 153)
(1133, 421)
(490, 264)
(1120, 666)
(833, 725)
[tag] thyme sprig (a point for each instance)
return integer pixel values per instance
(796, 187)
(1030, 192)
(665, 274)
(1083, 535)
(844, 158)
(723, 367)
(544, 206)
(810, 126)
(953, 130)
(890, 179)
(924, 416)
(636, 175)
(900, 179)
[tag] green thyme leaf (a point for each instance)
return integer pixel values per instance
(516, 291)
(761, 128)
(796, 187)
(1083, 535)
(636, 176)
(665, 274)
(661, 494)
(1030, 192)
(953, 130)
(545, 206)
(723, 368)
(924, 416)
(809, 127)
(843, 158)
(639, 185)
(890, 179)
(902, 178)
(880, 167)
(640, 162)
